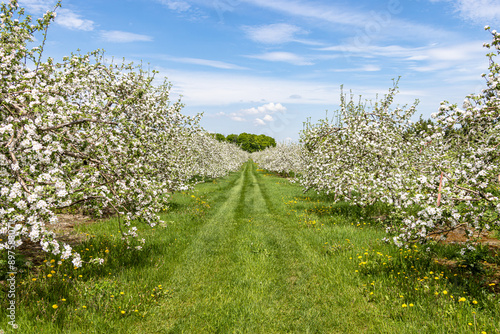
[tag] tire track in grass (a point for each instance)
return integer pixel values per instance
(200, 271)
(231, 274)
(252, 269)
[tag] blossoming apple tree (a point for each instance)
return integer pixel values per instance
(438, 180)
(86, 133)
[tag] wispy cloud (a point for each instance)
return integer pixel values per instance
(210, 63)
(199, 61)
(71, 20)
(432, 57)
(65, 17)
(286, 57)
(37, 6)
(177, 6)
(277, 33)
(116, 36)
(367, 26)
(479, 11)
(331, 13)
(364, 68)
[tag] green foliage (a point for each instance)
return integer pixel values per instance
(423, 126)
(247, 141)
(220, 137)
(253, 143)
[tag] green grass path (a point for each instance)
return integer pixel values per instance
(251, 268)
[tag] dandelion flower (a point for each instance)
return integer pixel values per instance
(474, 302)
(123, 312)
(63, 299)
(445, 292)
(54, 306)
(462, 299)
(404, 305)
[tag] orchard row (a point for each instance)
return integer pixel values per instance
(92, 135)
(438, 177)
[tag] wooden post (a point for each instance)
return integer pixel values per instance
(439, 191)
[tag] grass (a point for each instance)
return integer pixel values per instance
(251, 253)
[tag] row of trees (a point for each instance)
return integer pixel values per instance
(247, 141)
(436, 175)
(89, 134)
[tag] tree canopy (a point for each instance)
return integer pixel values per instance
(247, 141)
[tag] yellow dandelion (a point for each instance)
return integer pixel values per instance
(445, 292)
(404, 305)
(49, 275)
(123, 312)
(462, 299)
(54, 306)
(33, 279)
(474, 302)
(411, 305)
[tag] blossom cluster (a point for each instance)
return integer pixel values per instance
(285, 159)
(90, 134)
(435, 180)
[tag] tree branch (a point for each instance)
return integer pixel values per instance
(83, 120)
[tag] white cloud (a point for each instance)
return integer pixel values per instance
(266, 108)
(364, 68)
(178, 6)
(428, 58)
(268, 118)
(199, 61)
(237, 118)
(116, 36)
(479, 11)
(277, 33)
(64, 16)
(258, 121)
(71, 20)
(37, 6)
(285, 57)
(370, 25)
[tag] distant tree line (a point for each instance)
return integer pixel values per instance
(247, 141)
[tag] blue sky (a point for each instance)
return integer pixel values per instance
(266, 66)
